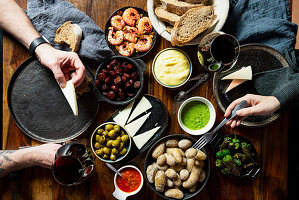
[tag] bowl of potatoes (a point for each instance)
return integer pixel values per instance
(110, 142)
(174, 170)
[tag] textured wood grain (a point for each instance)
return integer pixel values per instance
(35, 183)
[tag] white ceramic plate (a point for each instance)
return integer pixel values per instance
(221, 10)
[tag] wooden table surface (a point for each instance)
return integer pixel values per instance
(271, 142)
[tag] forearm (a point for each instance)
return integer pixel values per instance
(13, 160)
(14, 20)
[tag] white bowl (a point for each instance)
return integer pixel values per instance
(221, 10)
(210, 123)
(121, 195)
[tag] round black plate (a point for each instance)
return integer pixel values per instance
(261, 58)
(158, 117)
(40, 109)
(108, 24)
(149, 160)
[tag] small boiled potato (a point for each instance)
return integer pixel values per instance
(191, 153)
(190, 164)
(169, 183)
(174, 193)
(160, 181)
(170, 173)
(161, 159)
(184, 174)
(200, 155)
(158, 150)
(177, 180)
(172, 143)
(193, 178)
(193, 188)
(202, 176)
(170, 160)
(176, 154)
(177, 167)
(185, 144)
(151, 172)
(163, 167)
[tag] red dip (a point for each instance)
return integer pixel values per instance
(130, 180)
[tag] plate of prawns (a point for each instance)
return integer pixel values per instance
(129, 32)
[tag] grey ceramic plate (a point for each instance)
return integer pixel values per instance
(261, 58)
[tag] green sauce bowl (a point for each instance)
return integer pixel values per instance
(196, 115)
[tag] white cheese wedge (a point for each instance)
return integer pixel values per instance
(70, 95)
(143, 138)
(141, 107)
(234, 84)
(134, 126)
(123, 115)
(245, 73)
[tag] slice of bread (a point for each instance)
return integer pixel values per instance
(192, 23)
(166, 16)
(70, 34)
(178, 7)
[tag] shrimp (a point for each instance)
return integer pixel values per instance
(126, 49)
(144, 25)
(115, 38)
(144, 43)
(131, 34)
(117, 22)
(130, 16)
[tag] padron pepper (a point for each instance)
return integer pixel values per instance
(220, 154)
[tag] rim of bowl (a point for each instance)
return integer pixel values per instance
(212, 116)
(104, 160)
(172, 86)
(140, 186)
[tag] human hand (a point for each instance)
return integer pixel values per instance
(63, 64)
(256, 105)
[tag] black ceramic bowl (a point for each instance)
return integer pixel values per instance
(149, 160)
(108, 24)
(140, 67)
(251, 171)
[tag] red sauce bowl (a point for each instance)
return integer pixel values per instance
(129, 184)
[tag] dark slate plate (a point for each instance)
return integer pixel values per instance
(261, 58)
(158, 117)
(40, 109)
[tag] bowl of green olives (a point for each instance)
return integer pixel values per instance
(110, 142)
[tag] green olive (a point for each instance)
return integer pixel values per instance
(114, 151)
(117, 128)
(122, 133)
(98, 138)
(123, 151)
(112, 134)
(118, 138)
(115, 143)
(109, 127)
(100, 130)
(105, 156)
(99, 152)
(109, 143)
(121, 146)
(102, 139)
(125, 138)
(113, 157)
(106, 150)
(105, 133)
(97, 145)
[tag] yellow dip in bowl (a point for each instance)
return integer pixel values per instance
(172, 67)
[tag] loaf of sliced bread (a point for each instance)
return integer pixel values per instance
(192, 23)
(178, 7)
(70, 34)
(166, 16)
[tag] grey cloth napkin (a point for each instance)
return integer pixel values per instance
(48, 15)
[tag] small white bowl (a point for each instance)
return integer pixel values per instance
(121, 195)
(210, 123)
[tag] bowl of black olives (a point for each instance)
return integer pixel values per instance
(110, 142)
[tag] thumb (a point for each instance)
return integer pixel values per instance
(59, 76)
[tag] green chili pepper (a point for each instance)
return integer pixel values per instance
(225, 171)
(237, 146)
(218, 163)
(222, 153)
(238, 162)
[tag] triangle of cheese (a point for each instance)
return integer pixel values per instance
(234, 84)
(70, 95)
(245, 73)
(134, 126)
(141, 107)
(122, 116)
(143, 138)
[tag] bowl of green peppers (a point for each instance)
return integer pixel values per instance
(235, 156)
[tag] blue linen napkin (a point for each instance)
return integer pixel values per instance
(48, 15)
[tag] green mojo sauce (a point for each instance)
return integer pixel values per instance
(195, 115)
